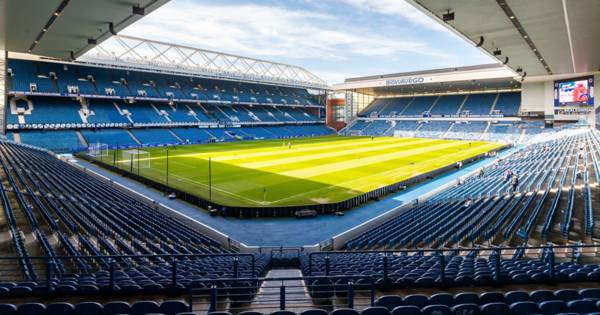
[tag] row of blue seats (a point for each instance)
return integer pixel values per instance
(94, 308)
(390, 302)
(50, 77)
(404, 271)
(506, 104)
(37, 110)
(484, 206)
(69, 141)
(585, 301)
(468, 130)
(104, 221)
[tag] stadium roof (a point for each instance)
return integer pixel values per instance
(449, 80)
(55, 28)
(542, 37)
(133, 52)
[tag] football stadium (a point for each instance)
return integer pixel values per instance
(180, 175)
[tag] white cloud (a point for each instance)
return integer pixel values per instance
(266, 31)
(326, 42)
(397, 8)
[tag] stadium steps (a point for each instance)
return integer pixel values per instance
(494, 103)
(391, 127)
(16, 136)
(296, 293)
(191, 110)
(434, 103)
(121, 112)
(522, 136)
(445, 135)
(133, 136)
(165, 115)
(285, 114)
(385, 106)
(407, 106)
(222, 111)
(485, 131)
(84, 108)
(81, 138)
(462, 105)
(174, 135)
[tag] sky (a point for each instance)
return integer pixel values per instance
(334, 39)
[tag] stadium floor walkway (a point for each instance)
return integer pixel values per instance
(291, 231)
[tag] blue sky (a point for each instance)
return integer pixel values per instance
(334, 39)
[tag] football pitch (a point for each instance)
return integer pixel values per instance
(303, 171)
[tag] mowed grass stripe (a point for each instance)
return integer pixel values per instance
(331, 152)
(272, 149)
(316, 177)
(236, 157)
(305, 169)
(363, 162)
(401, 167)
(369, 181)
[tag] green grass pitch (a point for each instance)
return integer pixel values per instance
(310, 171)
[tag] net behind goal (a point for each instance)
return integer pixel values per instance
(135, 159)
(98, 150)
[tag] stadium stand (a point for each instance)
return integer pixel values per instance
(112, 137)
(448, 105)
(508, 104)
(514, 231)
(132, 100)
(418, 106)
(118, 225)
(471, 130)
(491, 210)
(432, 129)
(478, 104)
(475, 104)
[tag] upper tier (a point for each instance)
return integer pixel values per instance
(475, 104)
(32, 77)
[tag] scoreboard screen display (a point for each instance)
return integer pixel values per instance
(574, 92)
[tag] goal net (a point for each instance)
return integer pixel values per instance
(135, 159)
(98, 150)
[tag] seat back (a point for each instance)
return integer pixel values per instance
(553, 307)
(497, 308)
(375, 310)
(524, 308)
(406, 310)
(389, 301)
(59, 309)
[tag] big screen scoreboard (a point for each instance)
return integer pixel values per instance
(574, 92)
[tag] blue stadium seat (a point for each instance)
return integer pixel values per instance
(309, 312)
(407, 310)
(375, 310)
(59, 309)
(31, 308)
(497, 308)
(8, 309)
(116, 307)
(582, 306)
(524, 308)
(389, 301)
(436, 310)
(466, 309)
(553, 307)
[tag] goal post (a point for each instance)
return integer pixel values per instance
(135, 159)
(98, 150)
